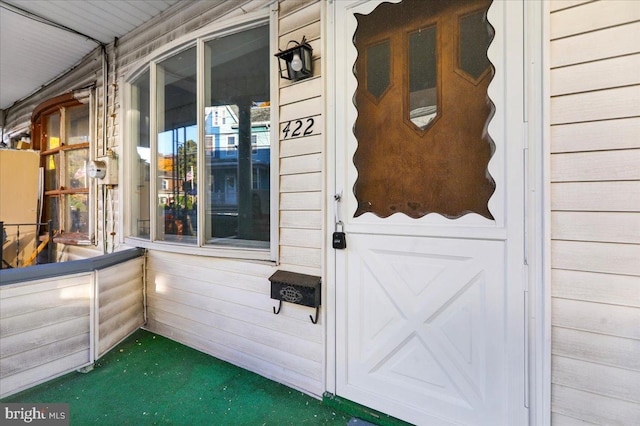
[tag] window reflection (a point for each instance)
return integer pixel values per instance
(77, 213)
(76, 168)
(475, 36)
(423, 96)
(139, 116)
(378, 68)
(53, 131)
(237, 138)
(51, 168)
(177, 148)
(77, 124)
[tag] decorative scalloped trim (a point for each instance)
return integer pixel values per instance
(491, 165)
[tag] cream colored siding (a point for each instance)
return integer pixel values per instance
(120, 301)
(223, 306)
(44, 330)
(595, 212)
(301, 159)
(51, 326)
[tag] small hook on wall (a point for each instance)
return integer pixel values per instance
(315, 321)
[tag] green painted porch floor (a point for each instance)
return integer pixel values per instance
(149, 379)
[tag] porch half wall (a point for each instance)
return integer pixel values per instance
(52, 325)
(595, 211)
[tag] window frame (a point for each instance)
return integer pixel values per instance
(149, 63)
(60, 105)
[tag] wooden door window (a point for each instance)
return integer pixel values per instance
(473, 39)
(423, 145)
(378, 69)
(61, 132)
(422, 77)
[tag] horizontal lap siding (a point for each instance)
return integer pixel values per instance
(595, 212)
(223, 307)
(120, 301)
(44, 330)
(301, 157)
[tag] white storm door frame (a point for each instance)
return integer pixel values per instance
(533, 32)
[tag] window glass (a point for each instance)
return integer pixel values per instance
(51, 211)
(77, 124)
(76, 213)
(63, 131)
(237, 122)
(422, 77)
(177, 147)
(378, 68)
(51, 167)
(140, 182)
(53, 131)
(76, 168)
(475, 37)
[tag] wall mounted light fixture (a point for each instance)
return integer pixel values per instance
(295, 62)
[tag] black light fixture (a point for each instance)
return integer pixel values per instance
(295, 62)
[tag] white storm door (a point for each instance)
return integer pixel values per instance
(430, 290)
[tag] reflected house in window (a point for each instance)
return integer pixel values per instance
(222, 153)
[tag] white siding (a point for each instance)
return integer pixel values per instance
(595, 212)
(120, 303)
(223, 306)
(302, 159)
(220, 306)
(44, 330)
(52, 326)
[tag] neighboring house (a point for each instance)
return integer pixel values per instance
(492, 265)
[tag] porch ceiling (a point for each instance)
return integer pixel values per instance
(42, 39)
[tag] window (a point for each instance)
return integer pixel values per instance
(61, 133)
(177, 147)
(212, 192)
(140, 141)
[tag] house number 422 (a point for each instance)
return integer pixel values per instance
(298, 128)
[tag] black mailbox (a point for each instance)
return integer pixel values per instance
(293, 287)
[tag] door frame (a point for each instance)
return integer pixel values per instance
(535, 85)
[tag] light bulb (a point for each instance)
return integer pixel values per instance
(296, 62)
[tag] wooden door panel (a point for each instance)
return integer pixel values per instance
(442, 166)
